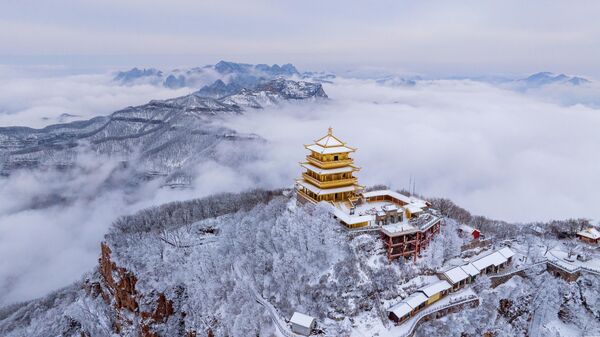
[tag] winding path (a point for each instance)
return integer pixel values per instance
(414, 321)
(280, 324)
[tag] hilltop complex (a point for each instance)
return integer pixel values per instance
(407, 224)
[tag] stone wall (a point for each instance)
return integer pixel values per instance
(565, 275)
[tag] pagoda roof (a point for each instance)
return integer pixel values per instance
(329, 140)
(329, 150)
(318, 170)
(325, 191)
(329, 144)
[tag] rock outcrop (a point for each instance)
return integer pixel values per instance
(119, 289)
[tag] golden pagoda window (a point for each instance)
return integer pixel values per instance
(335, 157)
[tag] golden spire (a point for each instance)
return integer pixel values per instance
(330, 131)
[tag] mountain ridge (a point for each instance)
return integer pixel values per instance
(198, 76)
(174, 131)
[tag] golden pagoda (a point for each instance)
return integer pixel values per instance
(329, 172)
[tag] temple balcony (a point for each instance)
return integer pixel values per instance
(329, 164)
(330, 183)
(306, 197)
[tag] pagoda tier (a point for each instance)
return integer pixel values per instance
(329, 171)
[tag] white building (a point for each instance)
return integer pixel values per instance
(302, 324)
(407, 307)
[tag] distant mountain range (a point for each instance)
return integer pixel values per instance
(199, 76)
(163, 137)
(219, 80)
(536, 80)
(395, 81)
(545, 78)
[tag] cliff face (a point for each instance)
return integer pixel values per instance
(123, 289)
(118, 287)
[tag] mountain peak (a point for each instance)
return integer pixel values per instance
(218, 89)
(294, 89)
(227, 67)
(545, 77)
(136, 73)
(244, 74)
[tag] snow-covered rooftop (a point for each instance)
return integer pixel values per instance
(425, 221)
(422, 223)
(435, 288)
(506, 252)
(367, 211)
(418, 202)
(415, 299)
(414, 208)
(319, 170)
(493, 259)
(302, 320)
(399, 227)
(591, 233)
(351, 219)
(329, 141)
(408, 304)
(329, 150)
(393, 194)
(401, 309)
(470, 269)
(456, 275)
(320, 191)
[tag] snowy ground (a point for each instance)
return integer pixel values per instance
(592, 265)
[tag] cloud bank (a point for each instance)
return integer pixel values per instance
(499, 153)
(44, 100)
(52, 223)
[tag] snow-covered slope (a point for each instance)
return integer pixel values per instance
(161, 137)
(195, 268)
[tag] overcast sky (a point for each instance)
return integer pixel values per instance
(434, 37)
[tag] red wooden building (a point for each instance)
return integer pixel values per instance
(474, 233)
(407, 239)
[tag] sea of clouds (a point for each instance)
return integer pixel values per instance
(498, 152)
(35, 99)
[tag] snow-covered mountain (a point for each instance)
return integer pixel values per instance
(396, 81)
(545, 78)
(244, 74)
(536, 80)
(233, 264)
(227, 265)
(162, 137)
